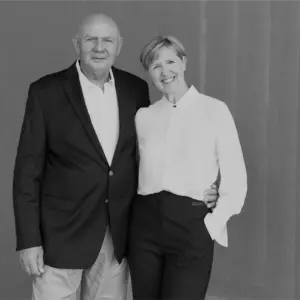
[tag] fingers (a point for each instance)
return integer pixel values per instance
(211, 191)
(34, 268)
(32, 261)
(26, 266)
(23, 264)
(31, 267)
(211, 204)
(40, 262)
(211, 194)
(210, 198)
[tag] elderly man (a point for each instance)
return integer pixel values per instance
(76, 174)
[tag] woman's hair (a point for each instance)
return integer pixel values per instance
(149, 52)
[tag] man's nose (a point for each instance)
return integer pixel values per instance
(99, 45)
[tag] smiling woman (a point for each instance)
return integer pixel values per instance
(165, 59)
(182, 149)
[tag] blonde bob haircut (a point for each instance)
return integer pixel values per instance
(149, 52)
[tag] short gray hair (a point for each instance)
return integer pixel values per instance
(149, 52)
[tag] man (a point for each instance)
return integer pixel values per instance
(76, 174)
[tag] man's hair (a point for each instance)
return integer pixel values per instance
(149, 52)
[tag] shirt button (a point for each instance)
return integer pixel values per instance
(106, 200)
(110, 173)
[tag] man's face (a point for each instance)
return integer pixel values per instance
(97, 46)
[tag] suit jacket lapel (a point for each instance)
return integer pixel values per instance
(75, 96)
(124, 111)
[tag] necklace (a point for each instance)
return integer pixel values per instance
(174, 103)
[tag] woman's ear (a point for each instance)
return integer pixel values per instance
(184, 60)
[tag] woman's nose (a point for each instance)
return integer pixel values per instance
(163, 70)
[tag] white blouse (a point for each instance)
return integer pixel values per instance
(182, 149)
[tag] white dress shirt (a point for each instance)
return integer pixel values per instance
(103, 110)
(182, 149)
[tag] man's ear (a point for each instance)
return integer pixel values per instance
(120, 44)
(75, 44)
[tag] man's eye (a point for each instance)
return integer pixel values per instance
(170, 61)
(108, 40)
(90, 39)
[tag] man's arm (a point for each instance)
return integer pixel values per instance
(144, 102)
(28, 173)
(233, 184)
(211, 196)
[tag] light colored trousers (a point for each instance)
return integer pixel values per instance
(106, 279)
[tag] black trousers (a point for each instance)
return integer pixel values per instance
(170, 251)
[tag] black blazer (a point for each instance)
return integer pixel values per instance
(61, 175)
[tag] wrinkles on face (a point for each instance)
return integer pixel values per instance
(167, 71)
(97, 43)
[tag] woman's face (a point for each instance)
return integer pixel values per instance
(167, 71)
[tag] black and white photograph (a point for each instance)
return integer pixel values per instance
(150, 150)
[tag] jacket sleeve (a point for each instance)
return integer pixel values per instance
(145, 96)
(28, 173)
(144, 101)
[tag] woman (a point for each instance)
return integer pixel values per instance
(185, 139)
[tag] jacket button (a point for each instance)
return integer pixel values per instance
(106, 200)
(110, 173)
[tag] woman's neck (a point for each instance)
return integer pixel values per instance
(177, 95)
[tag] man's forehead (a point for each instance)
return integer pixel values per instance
(103, 26)
(100, 31)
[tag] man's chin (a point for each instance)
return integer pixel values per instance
(99, 60)
(100, 67)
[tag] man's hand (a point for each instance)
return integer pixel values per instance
(32, 260)
(211, 196)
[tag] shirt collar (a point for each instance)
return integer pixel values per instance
(188, 97)
(87, 83)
